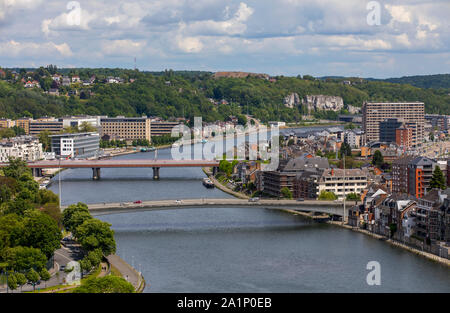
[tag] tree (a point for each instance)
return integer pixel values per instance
(286, 193)
(345, 150)
(325, 195)
(70, 211)
(24, 258)
(32, 277)
(377, 159)
(16, 168)
(438, 179)
(95, 234)
(19, 131)
(42, 232)
(107, 284)
(7, 133)
(12, 281)
(353, 197)
(21, 279)
(44, 138)
(45, 276)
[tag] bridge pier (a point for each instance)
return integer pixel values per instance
(156, 173)
(37, 172)
(96, 173)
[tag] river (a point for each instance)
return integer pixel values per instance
(239, 249)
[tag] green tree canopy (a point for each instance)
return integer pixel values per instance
(325, 195)
(41, 231)
(94, 234)
(286, 193)
(107, 284)
(438, 179)
(377, 159)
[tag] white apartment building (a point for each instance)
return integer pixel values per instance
(27, 148)
(333, 180)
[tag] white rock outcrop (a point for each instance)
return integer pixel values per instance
(322, 103)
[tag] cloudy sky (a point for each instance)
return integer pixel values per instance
(285, 37)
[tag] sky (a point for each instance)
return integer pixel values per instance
(362, 38)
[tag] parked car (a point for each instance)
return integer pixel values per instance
(255, 199)
(300, 199)
(137, 202)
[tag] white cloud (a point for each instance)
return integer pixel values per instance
(189, 44)
(32, 49)
(122, 47)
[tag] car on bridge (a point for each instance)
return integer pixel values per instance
(138, 202)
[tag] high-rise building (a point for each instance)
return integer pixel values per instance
(413, 114)
(126, 128)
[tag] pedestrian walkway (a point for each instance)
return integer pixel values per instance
(127, 271)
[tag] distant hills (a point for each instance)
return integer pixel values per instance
(172, 94)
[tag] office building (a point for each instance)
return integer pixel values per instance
(160, 128)
(412, 113)
(81, 145)
(50, 125)
(126, 128)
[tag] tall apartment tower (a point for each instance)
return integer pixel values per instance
(413, 114)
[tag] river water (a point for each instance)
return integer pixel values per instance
(239, 249)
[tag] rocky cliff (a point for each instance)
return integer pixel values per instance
(322, 103)
(291, 100)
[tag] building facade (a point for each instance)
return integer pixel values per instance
(335, 180)
(126, 128)
(26, 148)
(82, 145)
(38, 126)
(160, 128)
(413, 114)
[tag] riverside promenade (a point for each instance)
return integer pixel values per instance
(127, 271)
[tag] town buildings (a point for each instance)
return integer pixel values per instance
(412, 113)
(275, 181)
(27, 148)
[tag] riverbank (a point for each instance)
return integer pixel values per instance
(395, 243)
(225, 189)
(128, 272)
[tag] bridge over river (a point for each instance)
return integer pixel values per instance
(324, 207)
(96, 165)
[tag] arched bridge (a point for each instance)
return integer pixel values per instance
(326, 207)
(96, 165)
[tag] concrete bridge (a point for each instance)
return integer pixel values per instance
(325, 207)
(96, 165)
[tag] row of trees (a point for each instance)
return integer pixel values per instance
(30, 226)
(96, 237)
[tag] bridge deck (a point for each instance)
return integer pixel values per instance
(328, 207)
(119, 163)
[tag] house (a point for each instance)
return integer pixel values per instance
(76, 79)
(66, 81)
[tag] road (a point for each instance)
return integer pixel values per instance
(69, 252)
(327, 207)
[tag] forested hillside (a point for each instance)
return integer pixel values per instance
(425, 81)
(186, 94)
